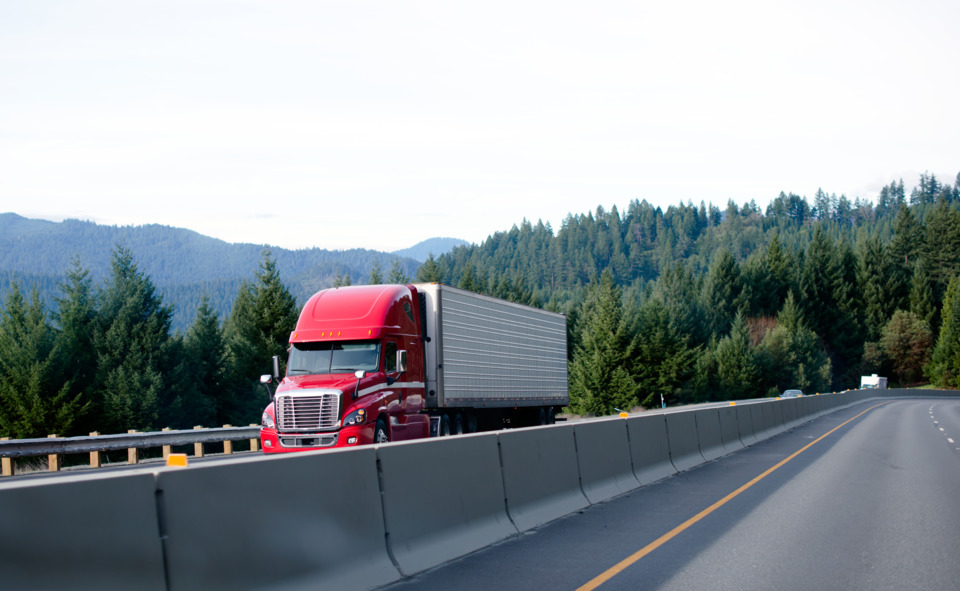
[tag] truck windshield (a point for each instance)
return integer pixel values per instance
(332, 357)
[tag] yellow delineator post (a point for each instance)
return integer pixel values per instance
(254, 443)
(96, 457)
(6, 464)
(227, 444)
(132, 456)
(53, 460)
(198, 447)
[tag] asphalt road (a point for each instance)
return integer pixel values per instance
(865, 498)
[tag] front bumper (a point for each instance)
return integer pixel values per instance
(273, 442)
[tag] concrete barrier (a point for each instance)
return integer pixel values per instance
(649, 449)
(773, 417)
(761, 420)
(708, 434)
(748, 432)
(683, 440)
(89, 532)
(729, 429)
(442, 498)
(310, 520)
(791, 416)
(809, 408)
(541, 478)
(603, 454)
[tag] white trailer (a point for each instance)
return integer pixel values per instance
(486, 353)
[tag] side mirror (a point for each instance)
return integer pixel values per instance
(276, 366)
(360, 375)
(401, 361)
(265, 379)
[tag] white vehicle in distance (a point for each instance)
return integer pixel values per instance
(791, 394)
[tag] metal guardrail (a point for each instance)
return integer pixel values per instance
(95, 444)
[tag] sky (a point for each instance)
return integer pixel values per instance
(378, 124)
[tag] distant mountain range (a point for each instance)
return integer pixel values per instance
(182, 264)
(431, 246)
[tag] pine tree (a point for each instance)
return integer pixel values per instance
(724, 293)
(429, 272)
(872, 275)
(904, 251)
(396, 273)
(75, 318)
(132, 342)
(376, 272)
(791, 355)
(738, 375)
(33, 401)
(923, 299)
(600, 378)
(203, 374)
(940, 246)
(818, 277)
(468, 279)
(342, 280)
(264, 314)
(663, 359)
(944, 368)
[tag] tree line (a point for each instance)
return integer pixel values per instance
(699, 304)
(106, 359)
(692, 304)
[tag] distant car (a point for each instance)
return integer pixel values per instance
(791, 394)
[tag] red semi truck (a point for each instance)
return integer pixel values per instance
(379, 363)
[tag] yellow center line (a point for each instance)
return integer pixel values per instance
(636, 556)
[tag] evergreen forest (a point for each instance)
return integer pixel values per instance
(689, 304)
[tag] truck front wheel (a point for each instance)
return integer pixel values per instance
(380, 433)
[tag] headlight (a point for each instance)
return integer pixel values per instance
(357, 417)
(267, 421)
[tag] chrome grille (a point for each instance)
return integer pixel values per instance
(308, 413)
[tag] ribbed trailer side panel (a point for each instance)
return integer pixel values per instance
(485, 352)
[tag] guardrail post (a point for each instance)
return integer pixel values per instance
(132, 456)
(166, 448)
(227, 444)
(254, 443)
(6, 464)
(53, 460)
(95, 456)
(198, 447)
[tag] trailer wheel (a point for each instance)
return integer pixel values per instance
(551, 416)
(380, 433)
(542, 416)
(444, 425)
(456, 425)
(470, 422)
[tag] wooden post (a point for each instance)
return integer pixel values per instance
(166, 448)
(6, 464)
(254, 443)
(96, 457)
(132, 456)
(227, 444)
(53, 460)
(198, 447)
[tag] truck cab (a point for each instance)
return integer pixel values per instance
(355, 372)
